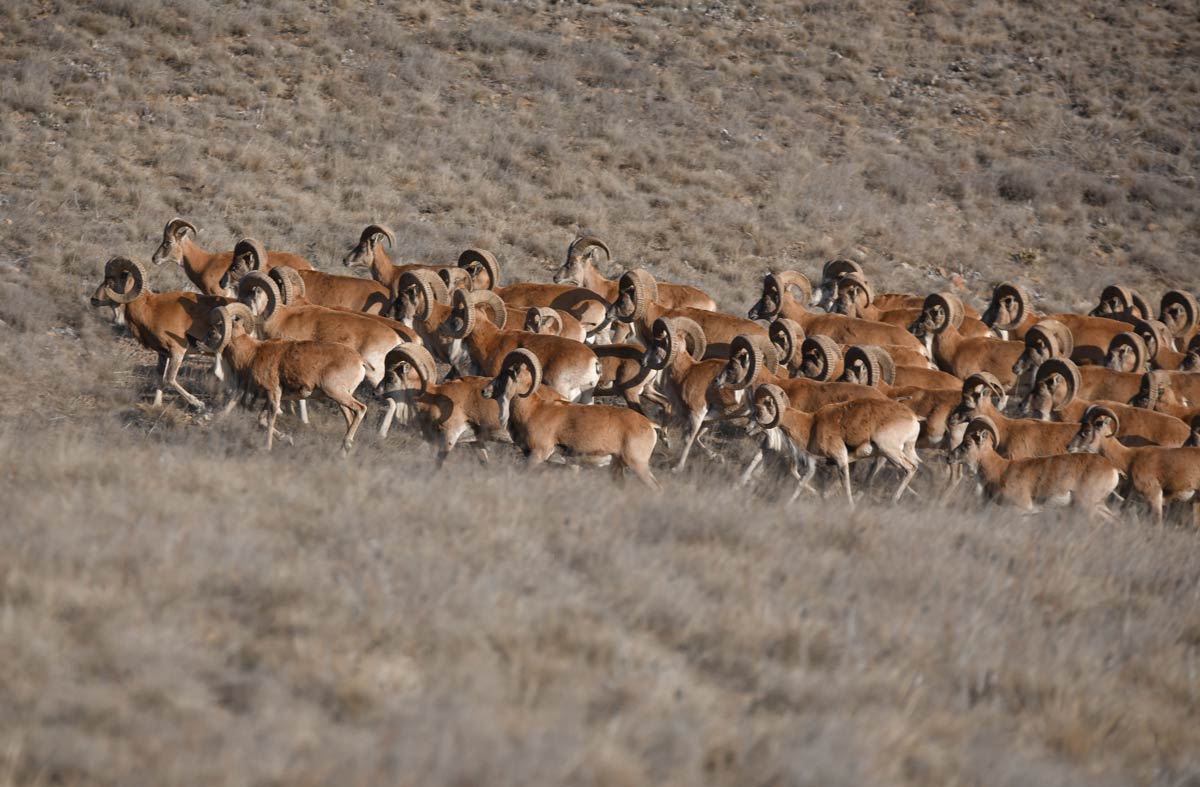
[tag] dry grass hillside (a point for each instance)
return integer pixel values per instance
(178, 607)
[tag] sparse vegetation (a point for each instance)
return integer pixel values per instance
(177, 606)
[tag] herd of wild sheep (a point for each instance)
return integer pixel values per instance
(1041, 408)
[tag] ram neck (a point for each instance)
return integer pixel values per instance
(522, 410)
(137, 312)
(1119, 455)
(481, 343)
(798, 425)
(944, 346)
(793, 310)
(644, 325)
(1071, 412)
(1028, 321)
(429, 327)
(680, 368)
(605, 288)
(382, 269)
(200, 266)
(239, 353)
(988, 410)
(992, 466)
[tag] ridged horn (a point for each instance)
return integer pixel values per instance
(770, 403)
(827, 351)
(1097, 411)
(1183, 301)
(173, 226)
(418, 358)
(585, 242)
(463, 310)
(983, 423)
(118, 266)
(787, 336)
(1151, 389)
(639, 288)
(864, 286)
(1054, 333)
(290, 283)
(787, 279)
(535, 316)
(1156, 334)
(951, 306)
(1007, 290)
(663, 333)
(427, 283)
(693, 335)
(881, 369)
(523, 356)
(255, 281)
(1069, 372)
(987, 380)
(250, 252)
(481, 260)
(834, 269)
(377, 229)
(745, 355)
(1135, 342)
(490, 301)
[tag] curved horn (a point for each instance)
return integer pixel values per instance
(881, 370)
(257, 280)
(641, 289)
(786, 279)
(834, 269)
(951, 306)
(1187, 304)
(859, 281)
(137, 275)
(748, 354)
(221, 321)
(174, 225)
(1152, 386)
(787, 336)
(1156, 334)
(1069, 372)
(987, 380)
(492, 303)
(774, 401)
(418, 358)
(1113, 292)
(290, 283)
(1097, 411)
(1135, 342)
(463, 309)
(457, 279)
(477, 260)
(983, 423)
(663, 332)
(691, 332)
(1054, 334)
(536, 315)
(887, 366)
(585, 242)
(250, 251)
(1140, 303)
(1007, 290)
(427, 283)
(377, 229)
(828, 351)
(523, 356)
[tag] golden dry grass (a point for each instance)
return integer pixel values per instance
(178, 607)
